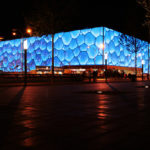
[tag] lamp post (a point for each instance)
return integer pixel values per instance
(148, 62)
(29, 31)
(53, 56)
(103, 45)
(142, 68)
(106, 57)
(25, 46)
(20, 33)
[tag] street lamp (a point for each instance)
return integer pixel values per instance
(14, 33)
(29, 31)
(1, 38)
(106, 57)
(142, 68)
(25, 46)
(102, 46)
(22, 33)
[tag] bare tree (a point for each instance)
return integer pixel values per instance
(132, 45)
(49, 17)
(146, 6)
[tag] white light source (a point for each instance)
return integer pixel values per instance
(106, 56)
(143, 62)
(139, 55)
(99, 92)
(25, 44)
(101, 45)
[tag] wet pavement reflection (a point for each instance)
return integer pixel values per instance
(86, 116)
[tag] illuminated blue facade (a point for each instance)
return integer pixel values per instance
(80, 47)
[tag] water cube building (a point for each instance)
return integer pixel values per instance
(74, 48)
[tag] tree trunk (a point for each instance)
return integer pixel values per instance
(148, 49)
(136, 63)
(103, 45)
(52, 54)
(148, 60)
(135, 58)
(22, 55)
(53, 33)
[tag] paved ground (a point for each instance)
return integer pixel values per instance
(75, 116)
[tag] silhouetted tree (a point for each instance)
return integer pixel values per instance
(132, 45)
(146, 6)
(48, 17)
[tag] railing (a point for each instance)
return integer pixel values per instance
(65, 77)
(30, 77)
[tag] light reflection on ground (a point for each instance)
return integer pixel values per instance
(28, 112)
(64, 117)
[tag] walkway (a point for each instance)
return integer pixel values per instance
(96, 116)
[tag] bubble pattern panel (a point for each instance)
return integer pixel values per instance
(118, 55)
(39, 52)
(80, 47)
(11, 55)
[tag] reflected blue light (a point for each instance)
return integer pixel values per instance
(66, 38)
(83, 58)
(98, 60)
(92, 51)
(90, 62)
(74, 61)
(73, 44)
(80, 39)
(69, 55)
(61, 55)
(75, 34)
(89, 39)
(58, 44)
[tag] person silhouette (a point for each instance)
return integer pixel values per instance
(95, 76)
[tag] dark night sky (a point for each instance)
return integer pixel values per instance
(124, 16)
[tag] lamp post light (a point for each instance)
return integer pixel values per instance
(29, 31)
(102, 46)
(106, 57)
(22, 34)
(142, 68)
(25, 46)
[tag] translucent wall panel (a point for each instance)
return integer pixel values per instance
(149, 59)
(143, 55)
(80, 47)
(11, 55)
(39, 52)
(118, 55)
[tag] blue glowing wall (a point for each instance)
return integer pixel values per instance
(81, 47)
(118, 55)
(10, 55)
(39, 52)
